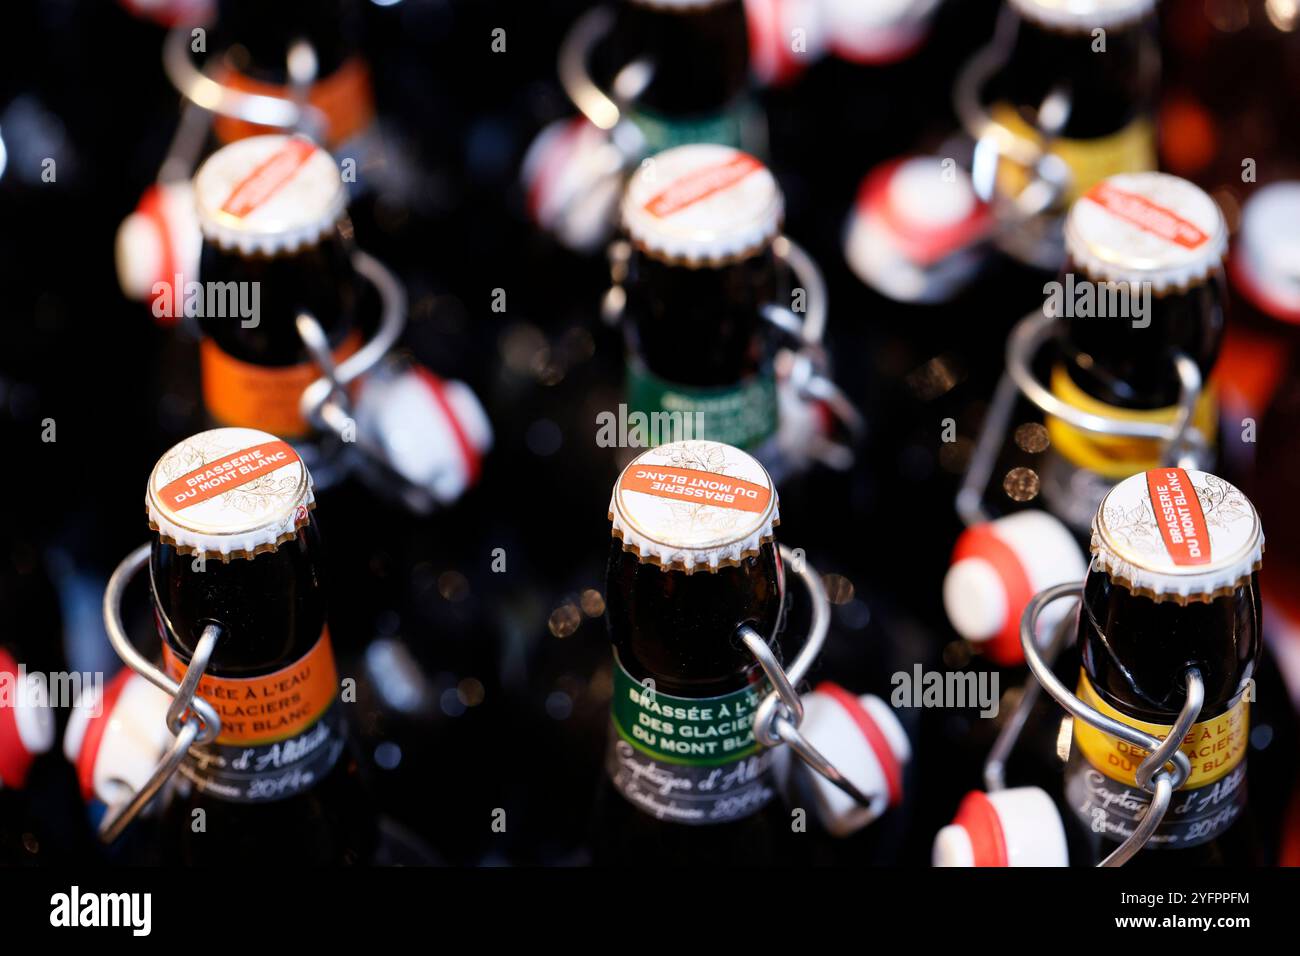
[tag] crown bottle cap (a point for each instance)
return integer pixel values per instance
(229, 492)
(269, 194)
(1177, 534)
(1146, 228)
(702, 204)
(692, 505)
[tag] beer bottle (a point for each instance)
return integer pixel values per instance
(277, 242)
(698, 55)
(701, 220)
(1172, 586)
(1143, 283)
(691, 558)
(237, 545)
(1102, 56)
(255, 40)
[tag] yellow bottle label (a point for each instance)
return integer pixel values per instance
(1114, 456)
(1130, 150)
(1215, 747)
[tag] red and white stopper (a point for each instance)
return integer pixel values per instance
(997, 567)
(434, 430)
(1017, 827)
(26, 721)
(573, 178)
(915, 228)
(157, 249)
(116, 736)
(879, 32)
(863, 739)
(785, 38)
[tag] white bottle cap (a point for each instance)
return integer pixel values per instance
(997, 567)
(269, 194)
(1083, 15)
(693, 504)
(1146, 228)
(229, 492)
(1265, 263)
(116, 738)
(862, 737)
(702, 204)
(434, 430)
(1017, 827)
(26, 722)
(1176, 534)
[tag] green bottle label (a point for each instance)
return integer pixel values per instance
(743, 415)
(734, 126)
(691, 760)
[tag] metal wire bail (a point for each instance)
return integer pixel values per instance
(189, 717)
(777, 719)
(1163, 770)
(1181, 442)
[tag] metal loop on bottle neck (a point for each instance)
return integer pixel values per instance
(605, 110)
(1050, 176)
(1163, 770)
(777, 719)
(189, 717)
(1181, 440)
(326, 402)
(258, 109)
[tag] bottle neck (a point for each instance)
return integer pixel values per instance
(699, 55)
(1120, 340)
(1136, 650)
(1107, 91)
(700, 326)
(270, 608)
(680, 630)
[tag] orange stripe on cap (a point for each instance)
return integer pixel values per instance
(1179, 516)
(1146, 215)
(268, 178)
(700, 184)
(243, 466)
(696, 487)
(979, 818)
(874, 736)
(980, 541)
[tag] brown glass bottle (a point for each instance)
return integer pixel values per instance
(701, 221)
(1147, 618)
(277, 244)
(279, 781)
(316, 278)
(699, 57)
(255, 39)
(1107, 91)
(716, 309)
(1143, 284)
(1132, 367)
(687, 783)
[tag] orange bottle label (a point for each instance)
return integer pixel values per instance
(344, 97)
(256, 711)
(240, 393)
